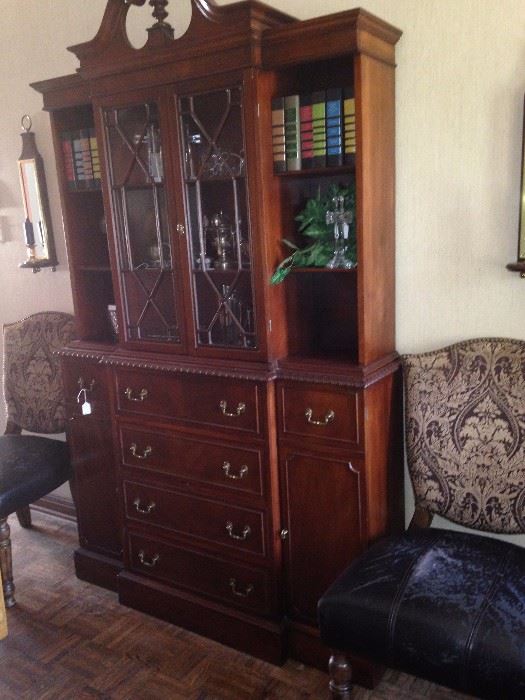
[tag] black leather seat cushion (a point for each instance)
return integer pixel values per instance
(443, 605)
(30, 467)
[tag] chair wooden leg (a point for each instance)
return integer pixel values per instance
(6, 564)
(24, 516)
(340, 672)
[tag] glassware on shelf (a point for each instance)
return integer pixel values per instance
(155, 166)
(341, 220)
(222, 238)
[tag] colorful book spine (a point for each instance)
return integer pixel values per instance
(349, 126)
(78, 160)
(307, 143)
(81, 159)
(278, 135)
(319, 128)
(292, 130)
(85, 150)
(334, 127)
(95, 158)
(69, 166)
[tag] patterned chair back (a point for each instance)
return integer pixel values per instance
(33, 388)
(465, 432)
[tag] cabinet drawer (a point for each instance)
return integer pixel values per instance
(320, 411)
(241, 529)
(82, 374)
(212, 401)
(234, 583)
(205, 462)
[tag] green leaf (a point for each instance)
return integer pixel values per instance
(312, 225)
(279, 275)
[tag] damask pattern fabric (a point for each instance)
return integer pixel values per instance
(465, 432)
(33, 387)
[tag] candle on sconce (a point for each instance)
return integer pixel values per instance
(29, 234)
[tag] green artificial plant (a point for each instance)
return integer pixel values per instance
(312, 224)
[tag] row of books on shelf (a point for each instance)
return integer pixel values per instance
(313, 130)
(81, 159)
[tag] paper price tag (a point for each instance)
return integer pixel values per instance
(86, 408)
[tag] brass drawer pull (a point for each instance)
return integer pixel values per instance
(145, 562)
(145, 510)
(242, 471)
(82, 385)
(245, 533)
(145, 453)
(241, 408)
(330, 415)
(241, 594)
(128, 393)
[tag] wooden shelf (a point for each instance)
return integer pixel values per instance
(84, 190)
(347, 168)
(94, 268)
(324, 270)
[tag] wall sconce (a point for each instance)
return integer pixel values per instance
(38, 234)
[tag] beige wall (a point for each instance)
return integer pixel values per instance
(460, 86)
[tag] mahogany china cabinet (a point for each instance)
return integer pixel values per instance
(235, 443)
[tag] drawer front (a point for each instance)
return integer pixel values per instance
(205, 462)
(212, 401)
(79, 375)
(231, 582)
(240, 529)
(320, 412)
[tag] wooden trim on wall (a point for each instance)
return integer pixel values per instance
(60, 506)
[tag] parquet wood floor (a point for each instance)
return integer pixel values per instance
(69, 640)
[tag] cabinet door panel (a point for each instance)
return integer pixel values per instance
(216, 201)
(138, 193)
(323, 515)
(95, 485)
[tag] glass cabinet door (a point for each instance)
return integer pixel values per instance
(136, 178)
(214, 175)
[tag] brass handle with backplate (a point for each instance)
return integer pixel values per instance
(145, 452)
(241, 408)
(329, 417)
(241, 594)
(148, 562)
(128, 393)
(245, 532)
(242, 471)
(145, 510)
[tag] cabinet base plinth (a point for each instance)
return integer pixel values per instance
(97, 568)
(261, 638)
(304, 645)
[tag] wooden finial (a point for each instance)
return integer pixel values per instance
(159, 11)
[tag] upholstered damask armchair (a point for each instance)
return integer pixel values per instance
(31, 465)
(446, 605)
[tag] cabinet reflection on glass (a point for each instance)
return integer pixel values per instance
(213, 155)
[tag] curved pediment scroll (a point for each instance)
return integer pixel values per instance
(212, 28)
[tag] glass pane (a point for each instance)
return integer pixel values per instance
(149, 305)
(145, 221)
(145, 257)
(217, 217)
